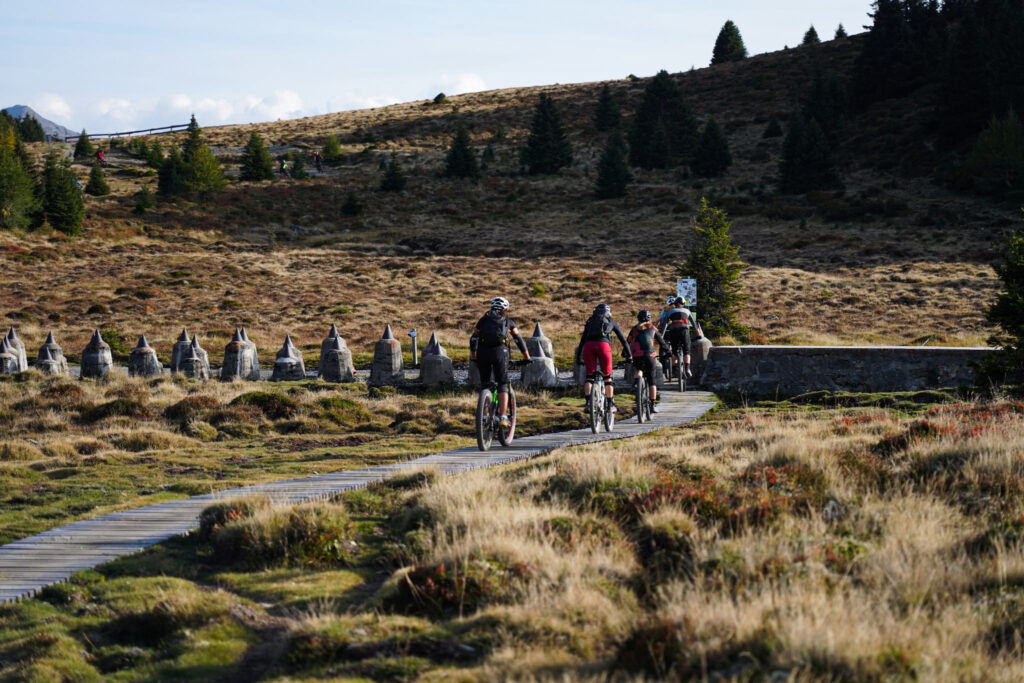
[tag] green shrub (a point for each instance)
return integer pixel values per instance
(343, 411)
(19, 450)
(119, 407)
(272, 404)
(190, 408)
(311, 534)
(215, 517)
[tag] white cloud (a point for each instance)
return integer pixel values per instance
(115, 114)
(52, 106)
(459, 84)
(348, 101)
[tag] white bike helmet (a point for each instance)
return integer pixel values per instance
(499, 303)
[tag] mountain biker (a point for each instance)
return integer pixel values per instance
(318, 159)
(641, 344)
(488, 347)
(283, 168)
(675, 326)
(101, 157)
(596, 347)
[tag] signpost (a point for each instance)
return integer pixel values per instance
(687, 288)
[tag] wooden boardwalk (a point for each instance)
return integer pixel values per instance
(52, 556)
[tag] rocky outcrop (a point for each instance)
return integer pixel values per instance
(142, 362)
(436, 366)
(240, 359)
(288, 366)
(18, 347)
(51, 360)
(179, 350)
(96, 358)
(387, 368)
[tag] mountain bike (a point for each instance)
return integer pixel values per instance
(674, 367)
(487, 425)
(643, 399)
(598, 414)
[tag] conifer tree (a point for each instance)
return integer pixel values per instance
(461, 161)
(298, 170)
(17, 193)
(729, 45)
(204, 172)
(826, 102)
(352, 206)
(607, 115)
(84, 148)
(97, 185)
(332, 150)
(841, 33)
(30, 130)
(171, 178)
(716, 266)
(1007, 311)
(193, 141)
(612, 170)
(996, 162)
(712, 157)
(62, 203)
(547, 149)
(664, 130)
(256, 161)
(811, 37)
(144, 200)
(155, 154)
(807, 160)
(393, 179)
(773, 129)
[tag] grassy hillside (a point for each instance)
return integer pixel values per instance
(894, 257)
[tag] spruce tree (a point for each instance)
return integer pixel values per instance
(1008, 313)
(171, 178)
(144, 200)
(155, 154)
(17, 193)
(393, 179)
(612, 170)
(826, 102)
(547, 149)
(663, 107)
(84, 148)
(97, 185)
(811, 37)
(352, 206)
(841, 33)
(461, 161)
(607, 115)
(298, 170)
(807, 160)
(332, 150)
(256, 161)
(712, 157)
(62, 202)
(193, 140)
(996, 162)
(729, 45)
(30, 130)
(716, 266)
(204, 173)
(773, 129)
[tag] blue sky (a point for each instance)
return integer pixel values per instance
(117, 65)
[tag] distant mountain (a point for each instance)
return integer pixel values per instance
(52, 130)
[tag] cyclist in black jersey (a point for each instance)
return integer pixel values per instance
(675, 326)
(488, 348)
(641, 344)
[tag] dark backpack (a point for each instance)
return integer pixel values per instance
(597, 328)
(493, 330)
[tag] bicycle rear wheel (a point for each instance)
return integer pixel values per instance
(596, 405)
(506, 434)
(641, 394)
(485, 419)
(680, 373)
(609, 419)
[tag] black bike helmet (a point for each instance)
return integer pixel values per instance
(679, 301)
(644, 316)
(603, 309)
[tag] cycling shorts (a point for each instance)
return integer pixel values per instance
(594, 352)
(645, 364)
(493, 360)
(678, 337)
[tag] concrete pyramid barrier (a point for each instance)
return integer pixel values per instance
(336, 362)
(18, 347)
(96, 358)
(51, 360)
(288, 365)
(541, 371)
(240, 360)
(179, 350)
(142, 362)
(436, 366)
(387, 368)
(9, 363)
(194, 364)
(538, 344)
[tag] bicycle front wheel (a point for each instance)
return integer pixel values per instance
(609, 420)
(680, 373)
(506, 434)
(485, 419)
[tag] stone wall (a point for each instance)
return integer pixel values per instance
(770, 371)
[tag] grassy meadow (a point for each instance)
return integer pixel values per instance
(876, 541)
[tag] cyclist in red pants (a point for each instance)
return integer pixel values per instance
(595, 348)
